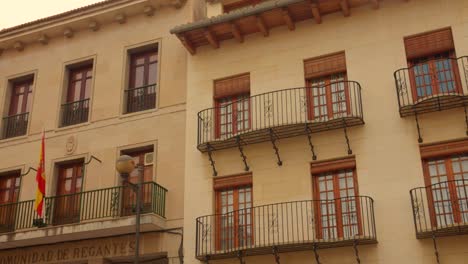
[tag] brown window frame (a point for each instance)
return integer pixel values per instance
(142, 97)
(333, 168)
(229, 92)
(64, 213)
(233, 183)
(84, 88)
(29, 83)
(8, 208)
(444, 153)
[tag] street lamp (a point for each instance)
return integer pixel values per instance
(125, 165)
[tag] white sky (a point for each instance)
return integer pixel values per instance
(15, 12)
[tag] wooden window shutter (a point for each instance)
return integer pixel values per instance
(319, 167)
(441, 149)
(325, 65)
(239, 84)
(429, 43)
(232, 181)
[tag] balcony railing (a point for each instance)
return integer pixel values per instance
(85, 206)
(141, 98)
(441, 209)
(287, 227)
(286, 113)
(434, 85)
(75, 112)
(15, 125)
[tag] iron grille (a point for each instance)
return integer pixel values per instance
(286, 113)
(15, 125)
(83, 206)
(141, 98)
(75, 112)
(288, 226)
(440, 209)
(423, 89)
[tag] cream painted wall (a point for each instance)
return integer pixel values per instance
(108, 130)
(386, 147)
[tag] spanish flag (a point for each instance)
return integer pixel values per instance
(40, 179)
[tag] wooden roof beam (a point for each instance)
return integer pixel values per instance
(345, 8)
(211, 38)
(187, 44)
(237, 33)
(315, 12)
(262, 26)
(288, 19)
(375, 4)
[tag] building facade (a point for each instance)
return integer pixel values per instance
(101, 81)
(327, 132)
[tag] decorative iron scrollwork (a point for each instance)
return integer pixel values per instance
(206, 125)
(206, 233)
(268, 108)
(273, 225)
(417, 205)
(402, 87)
(115, 199)
(303, 104)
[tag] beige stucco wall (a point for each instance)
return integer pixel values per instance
(386, 147)
(108, 130)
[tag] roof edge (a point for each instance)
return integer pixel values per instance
(243, 12)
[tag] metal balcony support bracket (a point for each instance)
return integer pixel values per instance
(317, 257)
(420, 140)
(436, 251)
(309, 137)
(210, 156)
(240, 256)
(356, 252)
(273, 141)
(207, 260)
(275, 253)
(350, 151)
(466, 119)
(241, 150)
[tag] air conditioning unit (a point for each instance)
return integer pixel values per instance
(149, 159)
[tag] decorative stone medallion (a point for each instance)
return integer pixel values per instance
(70, 145)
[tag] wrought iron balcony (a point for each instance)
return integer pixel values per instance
(15, 125)
(286, 227)
(75, 112)
(281, 114)
(440, 209)
(141, 98)
(85, 206)
(434, 85)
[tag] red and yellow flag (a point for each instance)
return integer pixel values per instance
(40, 179)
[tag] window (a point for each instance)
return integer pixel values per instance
(448, 192)
(327, 87)
(141, 93)
(232, 101)
(234, 226)
(68, 192)
(239, 4)
(143, 156)
(9, 193)
(76, 108)
(16, 123)
(433, 65)
(337, 204)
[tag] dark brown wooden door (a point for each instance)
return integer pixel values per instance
(129, 196)
(68, 195)
(21, 97)
(9, 191)
(141, 94)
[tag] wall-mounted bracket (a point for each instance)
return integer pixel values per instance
(276, 255)
(436, 251)
(356, 252)
(309, 137)
(210, 156)
(91, 159)
(273, 142)
(27, 172)
(420, 140)
(207, 260)
(240, 256)
(317, 257)
(241, 150)
(350, 151)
